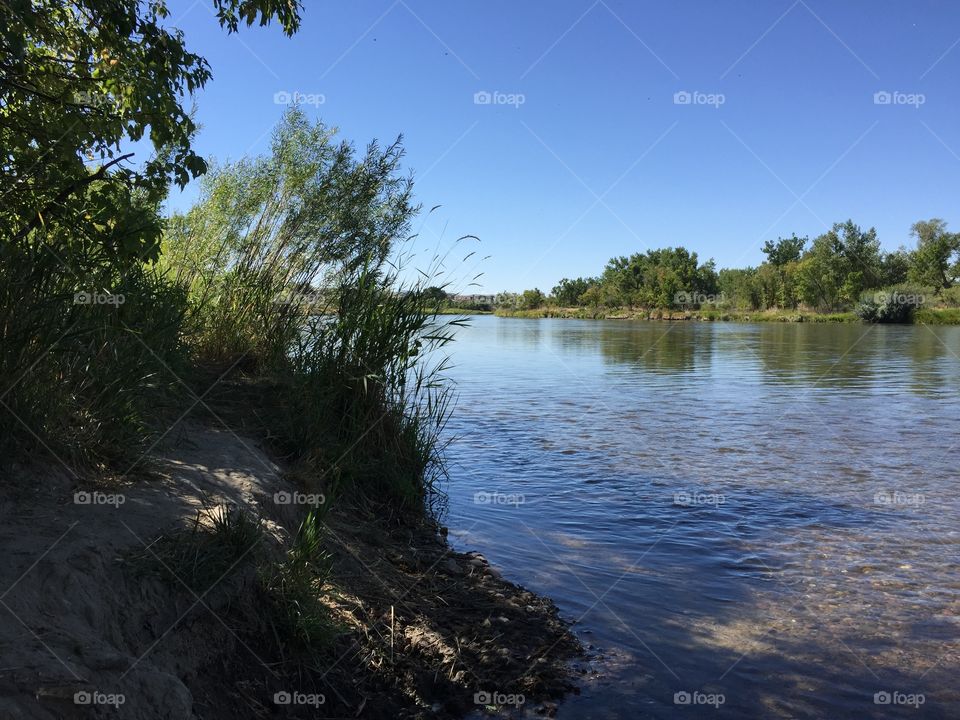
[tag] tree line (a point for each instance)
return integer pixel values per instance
(838, 270)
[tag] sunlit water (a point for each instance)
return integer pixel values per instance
(766, 512)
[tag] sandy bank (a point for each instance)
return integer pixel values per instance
(421, 631)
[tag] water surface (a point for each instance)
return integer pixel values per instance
(766, 512)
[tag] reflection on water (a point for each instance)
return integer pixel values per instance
(763, 512)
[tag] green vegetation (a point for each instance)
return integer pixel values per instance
(84, 307)
(287, 275)
(287, 269)
(291, 269)
(839, 276)
(225, 543)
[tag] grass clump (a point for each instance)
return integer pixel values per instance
(293, 589)
(216, 544)
(287, 586)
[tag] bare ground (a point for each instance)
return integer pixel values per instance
(421, 631)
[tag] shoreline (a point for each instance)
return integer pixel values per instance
(417, 629)
(925, 316)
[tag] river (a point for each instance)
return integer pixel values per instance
(743, 520)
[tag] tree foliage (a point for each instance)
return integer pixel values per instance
(84, 308)
(830, 273)
(936, 261)
(79, 79)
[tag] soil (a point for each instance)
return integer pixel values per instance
(420, 631)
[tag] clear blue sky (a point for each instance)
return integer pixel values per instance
(599, 159)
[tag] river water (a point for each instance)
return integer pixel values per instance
(743, 520)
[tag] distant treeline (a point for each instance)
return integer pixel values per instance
(843, 269)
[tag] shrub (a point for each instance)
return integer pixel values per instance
(888, 306)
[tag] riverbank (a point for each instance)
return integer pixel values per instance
(117, 601)
(928, 316)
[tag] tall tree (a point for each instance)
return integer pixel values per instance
(784, 250)
(935, 262)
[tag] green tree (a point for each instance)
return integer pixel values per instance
(936, 261)
(895, 267)
(839, 266)
(739, 287)
(784, 250)
(435, 294)
(80, 78)
(567, 292)
(531, 299)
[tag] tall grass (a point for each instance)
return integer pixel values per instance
(294, 267)
(369, 398)
(85, 341)
(297, 268)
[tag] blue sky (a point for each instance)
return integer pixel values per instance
(585, 150)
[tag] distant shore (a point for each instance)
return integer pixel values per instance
(923, 316)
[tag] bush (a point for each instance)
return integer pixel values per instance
(293, 265)
(889, 306)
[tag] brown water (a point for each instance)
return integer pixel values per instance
(767, 513)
